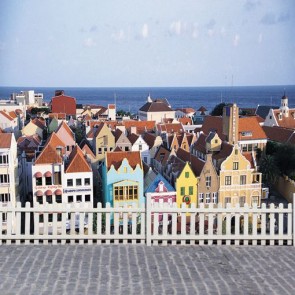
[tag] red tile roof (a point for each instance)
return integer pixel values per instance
(250, 124)
(148, 126)
(213, 123)
(88, 150)
(77, 162)
(39, 122)
(63, 104)
(155, 106)
(149, 139)
(185, 121)
(132, 138)
(278, 134)
(5, 140)
(12, 114)
(170, 128)
(249, 157)
(116, 158)
(59, 116)
(186, 110)
(112, 106)
(287, 122)
(6, 115)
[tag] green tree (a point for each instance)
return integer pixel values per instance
(218, 109)
(271, 148)
(285, 159)
(269, 169)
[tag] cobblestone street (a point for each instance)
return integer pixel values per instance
(138, 269)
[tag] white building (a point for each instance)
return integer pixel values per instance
(9, 179)
(139, 144)
(29, 98)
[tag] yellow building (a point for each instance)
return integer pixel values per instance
(186, 186)
(239, 183)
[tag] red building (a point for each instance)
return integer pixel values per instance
(63, 104)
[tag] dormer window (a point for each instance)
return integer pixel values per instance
(280, 116)
(246, 133)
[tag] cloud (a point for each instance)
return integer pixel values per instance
(236, 40)
(178, 27)
(93, 29)
(251, 4)
(89, 42)
(145, 31)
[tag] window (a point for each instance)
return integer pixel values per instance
(68, 148)
(208, 195)
(58, 199)
(255, 200)
(186, 174)
(214, 198)
(59, 216)
(242, 179)
(38, 180)
(4, 178)
(246, 133)
(190, 190)
(227, 200)
(236, 166)
(78, 181)
(49, 199)
(129, 192)
(125, 170)
(99, 151)
(182, 191)
(79, 198)
(48, 180)
(227, 180)
(70, 199)
(40, 199)
(87, 198)
(140, 147)
(145, 159)
(4, 159)
(208, 181)
(57, 178)
(216, 140)
(242, 200)
(236, 152)
(126, 149)
(250, 147)
(244, 148)
(4, 198)
(87, 181)
(70, 182)
(201, 198)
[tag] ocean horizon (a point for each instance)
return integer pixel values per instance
(132, 98)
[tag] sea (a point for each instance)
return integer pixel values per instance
(132, 98)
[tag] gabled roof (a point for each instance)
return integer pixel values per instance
(77, 162)
(87, 149)
(185, 121)
(155, 183)
(250, 124)
(5, 140)
(132, 138)
(155, 106)
(197, 165)
(200, 143)
(249, 157)
(149, 139)
(116, 158)
(117, 134)
(65, 126)
(183, 155)
(213, 123)
(202, 109)
(146, 126)
(186, 110)
(287, 122)
(225, 151)
(263, 111)
(170, 128)
(6, 115)
(50, 153)
(39, 122)
(162, 155)
(278, 134)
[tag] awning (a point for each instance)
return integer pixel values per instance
(48, 192)
(39, 193)
(38, 174)
(58, 192)
(48, 174)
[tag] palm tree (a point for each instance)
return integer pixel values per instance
(269, 169)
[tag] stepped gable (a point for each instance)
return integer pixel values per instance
(278, 134)
(6, 115)
(155, 106)
(77, 162)
(49, 154)
(149, 139)
(132, 138)
(250, 124)
(116, 158)
(5, 140)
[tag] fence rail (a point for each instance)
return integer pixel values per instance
(155, 224)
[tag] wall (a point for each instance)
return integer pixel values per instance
(286, 187)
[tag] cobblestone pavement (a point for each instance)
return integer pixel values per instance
(138, 269)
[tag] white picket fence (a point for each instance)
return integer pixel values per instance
(156, 224)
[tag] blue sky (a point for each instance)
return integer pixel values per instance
(147, 43)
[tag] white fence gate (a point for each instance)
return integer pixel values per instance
(153, 225)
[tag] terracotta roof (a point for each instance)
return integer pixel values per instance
(112, 106)
(85, 148)
(162, 155)
(50, 154)
(183, 155)
(116, 158)
(101, 112)
(40, 123)
(155, 106)
(6, 115)
(186, 110)
(185, 121)
(144, 125)
(249, 157)
(5, 140)
(224, 152)
(12, 114)
(213, 123)
(250, 124)
(287, 122)
(117, 133)
(278, 134)
(132, 138)
(170, 128)
(77, 162)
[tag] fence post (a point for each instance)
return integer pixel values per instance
(293, 220)
(148, 220)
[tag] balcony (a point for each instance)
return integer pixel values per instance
(239, 187)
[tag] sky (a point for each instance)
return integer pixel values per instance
(147, 43)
